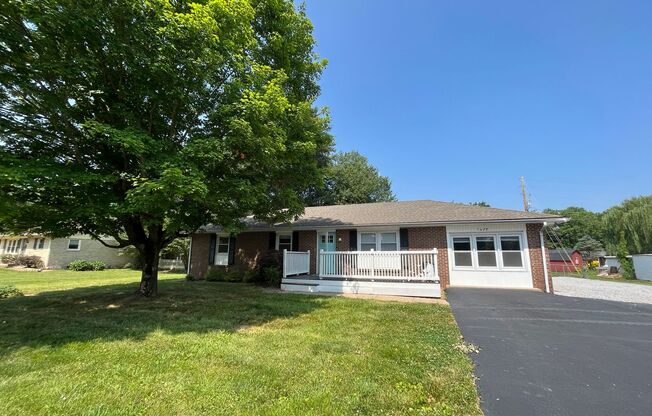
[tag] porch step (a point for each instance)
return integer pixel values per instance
(429, 290)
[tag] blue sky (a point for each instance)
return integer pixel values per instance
(455, 100)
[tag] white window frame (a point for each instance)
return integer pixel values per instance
(471, 251)
(278, 240)
(520, 244)
(78, 244)
(41, 244)
(378, 238)
(498, 251)
(222, 259)
(476, 252)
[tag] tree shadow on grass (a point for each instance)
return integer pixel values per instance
(114, 312)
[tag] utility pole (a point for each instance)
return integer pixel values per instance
(526, 204)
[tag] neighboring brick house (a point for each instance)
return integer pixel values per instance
(389, 248)
(57, 253)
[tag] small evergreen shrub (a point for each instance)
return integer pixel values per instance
(626, 264)
(7, 292)
(86, 265)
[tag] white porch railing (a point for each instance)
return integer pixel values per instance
(296, 262)
(408, 265)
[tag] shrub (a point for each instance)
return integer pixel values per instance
(626, 265)
(223, 274)
(33, 262)
(7, 292)
(271, 276)
(592, 265)
(9, 259)
(86, 265)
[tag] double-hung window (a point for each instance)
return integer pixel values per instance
(486, 247)
(462, 251)
(367, 241)
(510, 247)
(222, 251)
(379, 241)
(284, 242)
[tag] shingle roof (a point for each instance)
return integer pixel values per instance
(401, 213)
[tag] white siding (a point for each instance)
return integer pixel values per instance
(90, 249)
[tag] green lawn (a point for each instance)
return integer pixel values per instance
(219, 348)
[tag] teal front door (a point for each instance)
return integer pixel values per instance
(327, 243)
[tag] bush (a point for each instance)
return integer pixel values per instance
(7, 292)
(592, 265)
(223, 274)
(33, 262)
(9, 259)
(271, 276)
(86, 265)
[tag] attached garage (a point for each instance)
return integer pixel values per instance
(489, 255)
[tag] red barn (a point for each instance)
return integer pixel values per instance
(566, 260)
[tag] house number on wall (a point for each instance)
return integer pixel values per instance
(483, 229)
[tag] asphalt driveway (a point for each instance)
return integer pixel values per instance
(554, 355)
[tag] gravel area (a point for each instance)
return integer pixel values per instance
(598, 289)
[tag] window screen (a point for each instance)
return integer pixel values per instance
(367, 241)
(511, 251)
(486, 247)
(462, 251)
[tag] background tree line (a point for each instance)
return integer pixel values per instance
(629, 223)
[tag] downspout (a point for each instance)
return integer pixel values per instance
(543, 258)
(189, 255)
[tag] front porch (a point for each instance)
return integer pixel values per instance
(397, 273)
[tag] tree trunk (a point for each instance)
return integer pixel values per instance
(149, 276)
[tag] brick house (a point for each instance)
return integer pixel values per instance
(412, 248)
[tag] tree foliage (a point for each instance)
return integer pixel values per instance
(588, 246)
(351, 179)
(626, 264)
(143, 120)
(633, 221)
(581, 223)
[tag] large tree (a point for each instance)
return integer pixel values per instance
(351, 179)
(581, 223)
(144, 119)
(630, 221)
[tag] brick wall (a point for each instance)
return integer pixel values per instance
(199, 255)
(249, 247)
(343, 242)
(536, 263)
(308, 241)
(427, 238)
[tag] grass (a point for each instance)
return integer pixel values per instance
(222, 348)
(593, 275)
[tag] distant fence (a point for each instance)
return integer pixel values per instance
(171, 264)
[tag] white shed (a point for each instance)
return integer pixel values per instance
(611, 261)
(643, 266)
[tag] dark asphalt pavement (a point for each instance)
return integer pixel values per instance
(553, 355)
